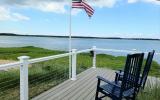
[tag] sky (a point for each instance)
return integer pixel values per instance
(112, 18)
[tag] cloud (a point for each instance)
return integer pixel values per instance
(51, 7)
(54, 6)
(103, 3)
(132, 1)
(17, 16)
(6, 14)
(156, 2)
(76, 11)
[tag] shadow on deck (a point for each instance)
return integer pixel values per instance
(84, 88)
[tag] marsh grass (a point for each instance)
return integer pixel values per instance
(109, 61)
(151, 91)
(84, 61)
(44, 75)
(34, 52)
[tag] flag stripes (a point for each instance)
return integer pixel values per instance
(77, 4)
(81, 4)
(88, 8)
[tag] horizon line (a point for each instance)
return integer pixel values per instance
(66, 36)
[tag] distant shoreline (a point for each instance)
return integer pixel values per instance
(12, 34)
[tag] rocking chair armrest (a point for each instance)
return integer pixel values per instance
(111, 83)
(120, 72)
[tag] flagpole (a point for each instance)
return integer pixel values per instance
(90, 12)
(70, 37)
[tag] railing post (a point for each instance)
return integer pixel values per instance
(134, 51)
(74, 63)
(24, 77)
(94, 56)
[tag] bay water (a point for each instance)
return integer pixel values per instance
(56, 43)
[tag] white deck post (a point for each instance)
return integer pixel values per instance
(24, 77)
(134, 51)
(94, 56)
(74, 62)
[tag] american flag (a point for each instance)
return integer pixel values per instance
(82, 4)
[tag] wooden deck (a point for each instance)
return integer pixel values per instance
(83, 88)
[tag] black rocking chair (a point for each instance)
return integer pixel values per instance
(143, 77)
(128, 86)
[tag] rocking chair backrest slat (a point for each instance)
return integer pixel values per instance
(147, 67)
(132, 71)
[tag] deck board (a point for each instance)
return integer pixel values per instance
(83, 88)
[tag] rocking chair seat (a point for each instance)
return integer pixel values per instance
(113, 89)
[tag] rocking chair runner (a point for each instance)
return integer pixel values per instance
(127, 88)
(143, 78)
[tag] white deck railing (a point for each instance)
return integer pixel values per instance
(24, 61)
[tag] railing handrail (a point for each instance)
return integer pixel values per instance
(125, 51)
(35, 60)
(81, 51)
(48, 58)
(9, 65)
(114, 50)
(157, 53)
